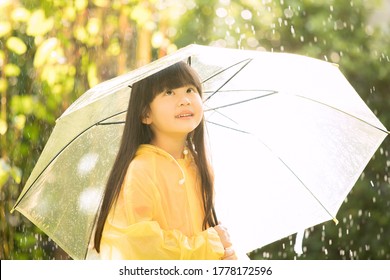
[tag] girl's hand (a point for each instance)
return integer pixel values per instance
(223, 235)
(230, 254)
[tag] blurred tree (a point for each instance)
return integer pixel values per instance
(52, 51)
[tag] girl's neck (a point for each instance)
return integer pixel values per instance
(173, 146)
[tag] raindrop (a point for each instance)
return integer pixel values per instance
(253, 29)
(221, 12)
(230, 20)
(252, 42)
(292, 30)
(340, 233)
(246, 14)
(351, 254)
(87, 163)
(89, 199)
(288, 13)
(335, 57)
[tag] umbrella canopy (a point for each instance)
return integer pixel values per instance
(288, 136)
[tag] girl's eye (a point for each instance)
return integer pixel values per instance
(191, 90)
(168, 92)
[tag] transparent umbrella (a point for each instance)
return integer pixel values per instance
(288, 136)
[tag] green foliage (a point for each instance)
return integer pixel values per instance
(52, 51)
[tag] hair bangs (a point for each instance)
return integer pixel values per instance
(175, 76)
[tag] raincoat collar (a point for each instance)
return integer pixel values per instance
(152, 149)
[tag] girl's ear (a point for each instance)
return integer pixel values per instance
(146, 116)
(146, 119)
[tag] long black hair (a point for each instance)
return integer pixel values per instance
(136, 133)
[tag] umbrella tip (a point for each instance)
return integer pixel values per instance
(336, 221)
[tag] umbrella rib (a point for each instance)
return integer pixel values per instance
(341, 111)
(228, 127)
(110, 123)
(272, 92)
(225, 69)
(304, 185)
(284, 163)
(236, 103)
(228, 80)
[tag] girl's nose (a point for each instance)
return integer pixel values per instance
(184, 101)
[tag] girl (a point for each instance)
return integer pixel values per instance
(158, 202)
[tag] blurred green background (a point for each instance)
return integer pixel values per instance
(52, 51)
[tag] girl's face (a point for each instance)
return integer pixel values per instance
(175, 112)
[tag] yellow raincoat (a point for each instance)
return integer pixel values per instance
(159, 212)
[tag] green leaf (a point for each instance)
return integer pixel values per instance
(92, 75)
(11, 70)
(4, 172)
(141, 15)
(44, 50)
(81, 4)
(20, 14)
(5, 28)
(19, 121)
(93, 26)
(38, 24)
(16, 174)
(3, 127)
(3, 85)
(16, 45)
(102, 3)
(22, 104)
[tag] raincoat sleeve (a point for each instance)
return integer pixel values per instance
(141, 237)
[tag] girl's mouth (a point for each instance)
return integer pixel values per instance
(184, 115)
